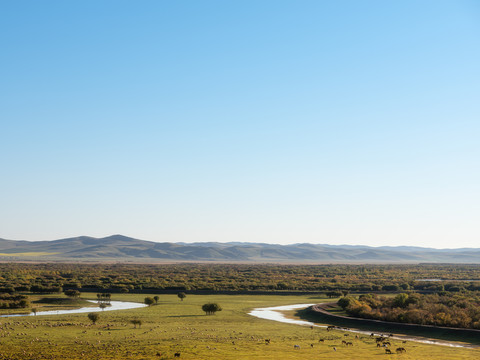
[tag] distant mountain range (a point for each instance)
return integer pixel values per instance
(122, 248)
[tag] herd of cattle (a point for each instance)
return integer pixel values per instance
(381, 341)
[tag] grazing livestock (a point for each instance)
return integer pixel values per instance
(330, 327)
(177, 354)
(401, 350)
(344, 342)
(379, 345)
(296, 346)
(388, 351)
(321, 340)
(267, 341)
(348, 343)
(387, 343)
(334, 349)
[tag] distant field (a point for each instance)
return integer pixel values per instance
(181, 326)
(39, 253)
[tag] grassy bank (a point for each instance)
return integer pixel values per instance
(181, 326)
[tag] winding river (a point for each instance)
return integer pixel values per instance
(114, 305)
(275, 313)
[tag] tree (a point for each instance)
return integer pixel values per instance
(211, 308)
(24, 303)
(34, 311)
(400, 300)
(332, 294)
(93, 317)
(156, 298)
(344, 302)
(136, 322)
(149, 301)
(72, 293)
(182, 295)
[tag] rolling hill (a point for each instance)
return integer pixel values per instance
(122, 248)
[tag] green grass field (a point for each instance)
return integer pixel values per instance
(181, 326)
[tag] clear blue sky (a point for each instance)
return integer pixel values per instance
(339, 122)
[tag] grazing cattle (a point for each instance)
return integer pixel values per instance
(404, 341)
(176, 355)
(330, 327)
(379, 345)
(387, 343)
(401, 350)
(311, 345)
(348, 343)
(343, 342)
(267, 341)
(380, 339)
(388, 351)
(296, 347)
(321, 340)
(334, 349)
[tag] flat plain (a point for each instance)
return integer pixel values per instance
(174, 326)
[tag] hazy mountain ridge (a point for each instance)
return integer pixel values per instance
(122, 248)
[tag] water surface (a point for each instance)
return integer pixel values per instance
(114, 305)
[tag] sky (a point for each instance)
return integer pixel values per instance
(328, 122)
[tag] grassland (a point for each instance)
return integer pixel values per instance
(29, 254)
(180, 326)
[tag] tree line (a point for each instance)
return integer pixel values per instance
(440, 309)
(56, 277)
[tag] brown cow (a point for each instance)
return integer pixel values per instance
(401, 350)
(388, 351)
